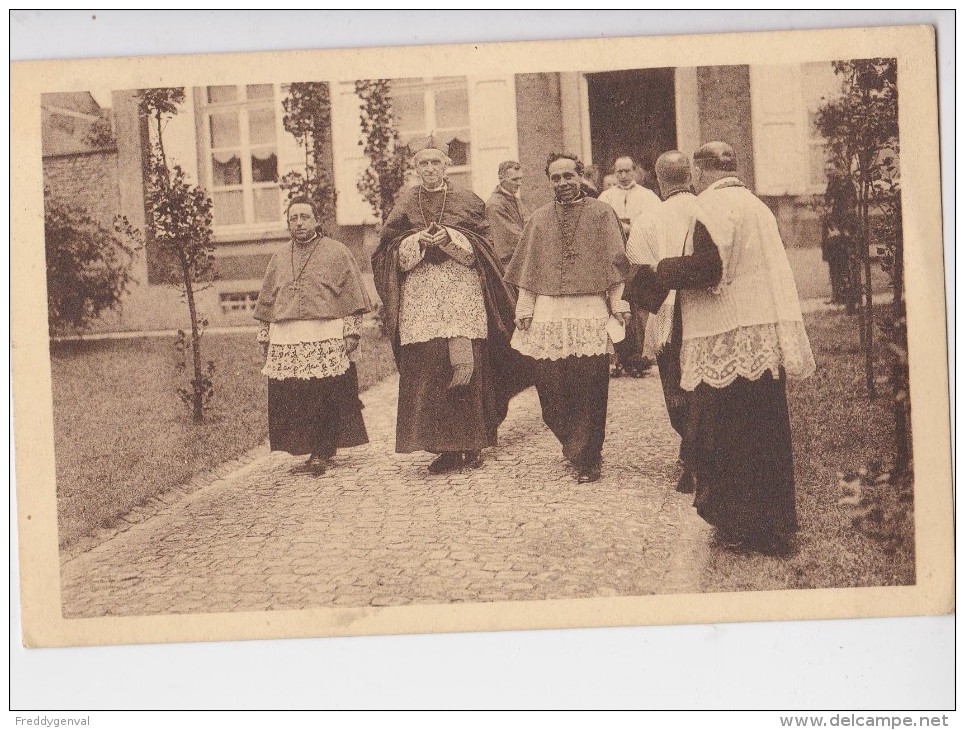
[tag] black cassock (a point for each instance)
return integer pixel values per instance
(736, 440)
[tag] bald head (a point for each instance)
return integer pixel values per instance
(716, 156)
(673, 172)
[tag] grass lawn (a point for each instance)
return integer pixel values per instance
(122, 434)
(834, 427)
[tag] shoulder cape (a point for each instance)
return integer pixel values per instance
(596, 259)
(330, 287)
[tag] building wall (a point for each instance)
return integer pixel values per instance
(726, 113)
(540, 127)
(88, 182)
(120, 188)
(724, 104)
(85, 181)
(545, 118)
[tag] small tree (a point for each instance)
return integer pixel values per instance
(861, 127)
(87, 264)
(308, 118)
(862, 131)
(382, 180)
(179, 223)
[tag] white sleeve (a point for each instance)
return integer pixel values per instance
(617, 303)
(525, 304)
(641, 245)
(410, 252)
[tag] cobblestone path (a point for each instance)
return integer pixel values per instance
(376, 530)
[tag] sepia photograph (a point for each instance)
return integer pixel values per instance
(361, 340)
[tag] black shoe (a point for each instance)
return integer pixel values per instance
(730, 539)
(316, 465)
(445, 462)
(472, 460)
(589, 473)
(771, 544)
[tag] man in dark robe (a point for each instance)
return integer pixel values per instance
(835, 247)
(570, 267)
(505, 211)
(449, 317)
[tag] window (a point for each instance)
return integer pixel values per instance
(437, 105)
(240, 140)
(820, 84)
(238, 301)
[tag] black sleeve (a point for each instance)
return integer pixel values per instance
(700, 270)
(645, 291)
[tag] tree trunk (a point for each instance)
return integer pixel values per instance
(197, 384)
(900, 366)
(868, 340)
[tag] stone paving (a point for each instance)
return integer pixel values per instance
(377, 530)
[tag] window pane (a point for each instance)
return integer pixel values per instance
(452, 108)
(410, 111)
(229, 208)
(260, 91)
(224, 130)
(267, 208)
(220, 94)
(264, 166)
(458, 146)
(225, 168)
(261, 126)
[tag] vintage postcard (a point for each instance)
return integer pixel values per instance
(464, 338)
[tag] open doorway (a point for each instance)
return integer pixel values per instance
(632, 113)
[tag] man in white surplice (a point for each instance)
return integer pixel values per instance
(664, 232)
(741, 339)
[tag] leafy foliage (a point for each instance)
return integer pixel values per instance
(864, 201)
(382, 180)
(881, 505)
(308, 118)
(179, 220)
(101, 132)
(179, 224)
(87, 264)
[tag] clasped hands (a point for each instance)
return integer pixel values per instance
(523, 323)
(434, 235)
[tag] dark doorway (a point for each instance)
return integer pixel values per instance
(632, 113)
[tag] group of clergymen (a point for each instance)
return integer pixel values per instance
(481, 300)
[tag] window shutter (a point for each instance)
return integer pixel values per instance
(780, 139)
(492, 120)
(349, 160)
(179, 139)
